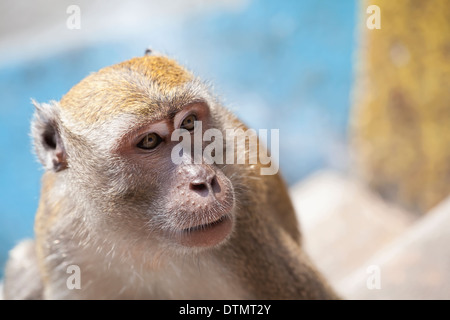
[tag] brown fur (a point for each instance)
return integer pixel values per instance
(164, 71)
(126, 88)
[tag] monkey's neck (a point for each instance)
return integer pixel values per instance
(271, 264)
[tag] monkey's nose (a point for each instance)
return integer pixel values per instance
(204, 181)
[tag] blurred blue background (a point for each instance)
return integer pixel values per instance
(277, 64)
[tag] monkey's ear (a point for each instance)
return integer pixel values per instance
(148, 51)
(45, 130)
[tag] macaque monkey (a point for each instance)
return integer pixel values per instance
(118, 219)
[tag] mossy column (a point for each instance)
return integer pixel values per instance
(401, 107)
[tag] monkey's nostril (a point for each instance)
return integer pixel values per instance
(200, 188)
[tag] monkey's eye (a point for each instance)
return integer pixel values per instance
(150, 141)
(188, 122)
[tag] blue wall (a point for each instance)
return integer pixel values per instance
(277, 64)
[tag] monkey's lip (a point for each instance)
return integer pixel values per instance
(207, 235)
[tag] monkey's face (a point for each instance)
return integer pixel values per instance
(184, 203)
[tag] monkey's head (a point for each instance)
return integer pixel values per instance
(108, 142)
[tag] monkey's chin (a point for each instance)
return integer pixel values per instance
(208, 235)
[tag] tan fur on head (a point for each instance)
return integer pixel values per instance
(164, 71)
(131, 84)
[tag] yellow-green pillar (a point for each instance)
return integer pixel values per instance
(401, 107)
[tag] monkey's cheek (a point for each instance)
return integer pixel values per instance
(207, 235)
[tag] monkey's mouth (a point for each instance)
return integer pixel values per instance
(207, 235)
(205, 226)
